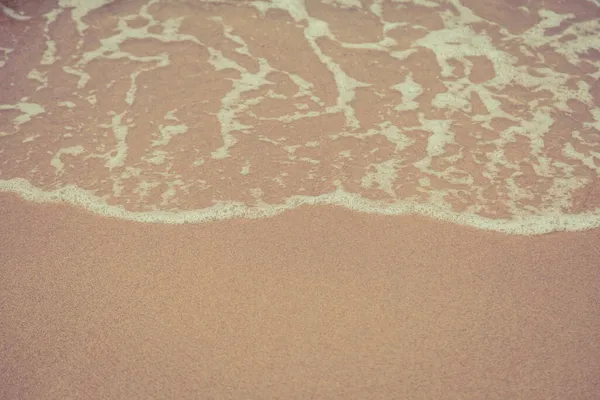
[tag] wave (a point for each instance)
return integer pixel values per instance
(529, 226)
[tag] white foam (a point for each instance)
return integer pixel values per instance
(120, 132)
(38, 76)
(383, 176)
(410, 91)
(80, 8)
(57, 163)
(532, 225)
(9, 12)
(28, 110)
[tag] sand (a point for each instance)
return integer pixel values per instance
(484, 113)
(319, 302)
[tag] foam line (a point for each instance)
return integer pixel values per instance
(529, 226)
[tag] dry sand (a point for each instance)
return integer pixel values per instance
(316, 303)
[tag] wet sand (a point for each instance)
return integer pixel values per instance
(297, 306)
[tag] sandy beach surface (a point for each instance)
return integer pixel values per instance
(317, 303)
(287, 199)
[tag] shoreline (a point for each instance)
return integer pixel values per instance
(386, 200)
(80, 198)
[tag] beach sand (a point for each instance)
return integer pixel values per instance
(317, 303)
(482, 113)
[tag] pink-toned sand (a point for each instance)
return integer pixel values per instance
(297, 306)
(170, 106)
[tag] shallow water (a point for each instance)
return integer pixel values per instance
(478, 112)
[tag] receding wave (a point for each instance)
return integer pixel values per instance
(180, 111)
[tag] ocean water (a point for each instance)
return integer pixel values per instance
(478, 112)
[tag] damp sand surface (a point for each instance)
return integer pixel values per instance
(320, 302)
